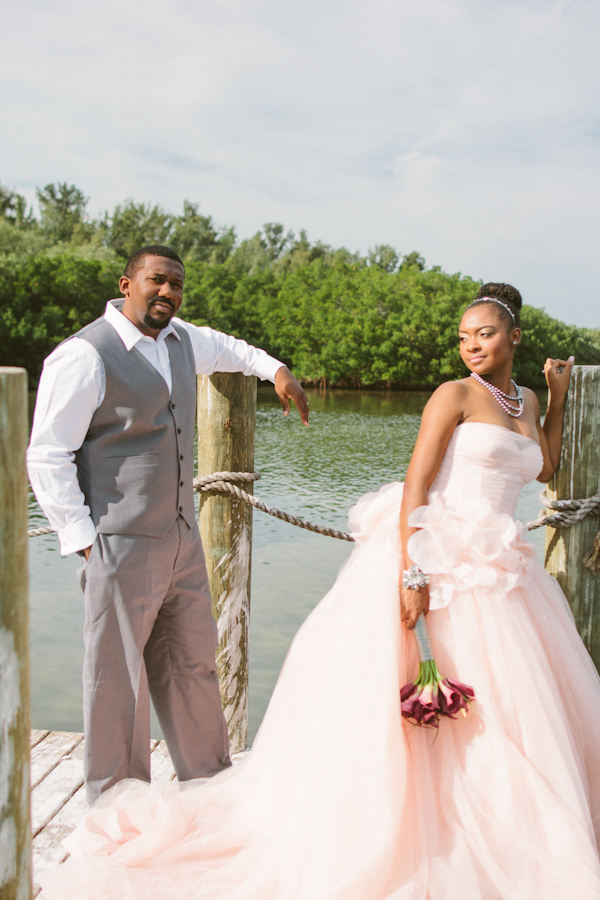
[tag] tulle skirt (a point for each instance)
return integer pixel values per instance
(342, 799)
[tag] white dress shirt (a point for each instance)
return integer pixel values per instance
(71, 389)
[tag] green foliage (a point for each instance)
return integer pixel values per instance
(192, 235)
(196, 239)
(45, 299)
(335, 317)
(21, 242)
(62, 214)
(135, 225)
(354, 325)
(544, 336)
(384, 256)
(13, 210)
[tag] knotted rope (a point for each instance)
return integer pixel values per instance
(228, 483)
(568, 513)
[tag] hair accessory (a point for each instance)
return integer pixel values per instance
(414, 578)
(505, 400)
(494, 300)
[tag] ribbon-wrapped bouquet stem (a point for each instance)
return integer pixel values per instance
(428, 698)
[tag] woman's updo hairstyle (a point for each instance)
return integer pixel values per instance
(507, 295)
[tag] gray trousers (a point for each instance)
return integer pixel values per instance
(149, 630)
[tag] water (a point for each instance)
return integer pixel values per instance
(356, 442)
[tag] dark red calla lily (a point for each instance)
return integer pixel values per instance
(430, 697)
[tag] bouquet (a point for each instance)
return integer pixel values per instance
(430, 697)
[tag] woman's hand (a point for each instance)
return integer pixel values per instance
(412, 604)
(558, 381)
(551, 431)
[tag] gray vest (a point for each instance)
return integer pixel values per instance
(136, 464)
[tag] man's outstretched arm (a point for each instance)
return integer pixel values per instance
(218, 352)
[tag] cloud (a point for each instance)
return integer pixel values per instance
(160, 159)
(467, 130)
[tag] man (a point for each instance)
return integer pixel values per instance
(111, 463)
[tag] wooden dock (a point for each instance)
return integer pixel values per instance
(58, 795)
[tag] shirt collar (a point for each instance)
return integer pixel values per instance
(129, 333)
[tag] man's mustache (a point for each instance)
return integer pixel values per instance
(161, 300)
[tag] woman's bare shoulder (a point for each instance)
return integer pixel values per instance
(449, 401)
(451, 392)
(531, 399)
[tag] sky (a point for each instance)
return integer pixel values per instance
(467, 130)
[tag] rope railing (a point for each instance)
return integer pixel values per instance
(36, 532)
(228, 483)
(567, 512)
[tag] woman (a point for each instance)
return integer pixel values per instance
(342, 799)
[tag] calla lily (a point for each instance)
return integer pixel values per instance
(430, 697)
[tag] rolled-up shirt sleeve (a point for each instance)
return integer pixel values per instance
(218, 352)
(71, 389)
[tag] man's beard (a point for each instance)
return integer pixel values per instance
(157, 324)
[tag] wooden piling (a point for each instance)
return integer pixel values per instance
(15, 828)
(226, 422)
(578, 476)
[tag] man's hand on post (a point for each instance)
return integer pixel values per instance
(289, 388)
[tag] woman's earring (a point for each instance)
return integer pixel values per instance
(514, 343)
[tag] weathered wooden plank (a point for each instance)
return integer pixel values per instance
(61, 781)
(578, 476)
(48, 851)
(59, 800)
(37, 735)
(161, 765)
(226, 422)
(46, 755)
(15, 724)
(57, 788)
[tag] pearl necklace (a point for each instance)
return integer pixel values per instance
(504, 399)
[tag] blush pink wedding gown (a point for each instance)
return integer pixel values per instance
(342, 799)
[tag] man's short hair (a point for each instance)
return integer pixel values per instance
(136, 260)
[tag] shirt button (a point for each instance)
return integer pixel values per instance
(179, 431)
(172, 406)
(181, 457)
(180, 508)
(181, 484)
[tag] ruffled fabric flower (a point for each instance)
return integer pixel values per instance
(375, 509)
(472, 548)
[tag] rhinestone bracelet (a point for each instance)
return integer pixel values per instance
(414, 578)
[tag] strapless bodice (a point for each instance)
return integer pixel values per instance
(468, 538)
(484, 460)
